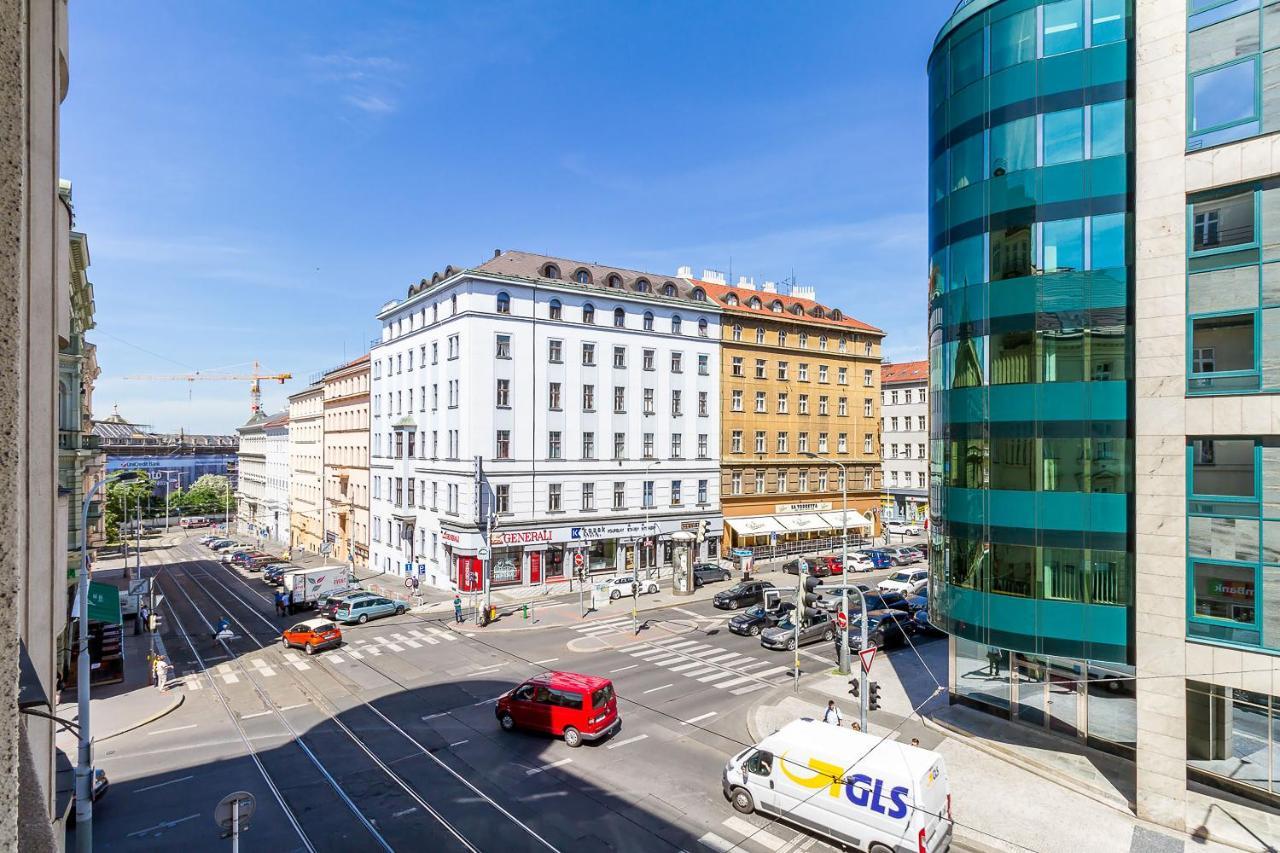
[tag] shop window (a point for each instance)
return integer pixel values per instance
(1232, 736)
(982, 673)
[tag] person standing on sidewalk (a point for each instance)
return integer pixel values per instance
(457, 608)
(832, 714)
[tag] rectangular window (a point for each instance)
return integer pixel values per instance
(1108, 22)
(735, 400)
(802, 442)
(1063, 27)
(588, 398)
(822, 442)
(802, 404)
(677, 445)
(735, 366)
(503, 449)
(648, 359)
(1063, 136)
(648, 401)
(702, 446)
(1013, 40)
(866, 406)
(735, 483)
(619, 399)
(703, 411)
(588, 445)
(735, 441)
(1107, 248)
(502, 499)
(555, 352)
(676, 397)
(822, 403)
(619, 445)
(802, 481)
(842, 443)
(677, 362)
(588, 497)
(619, 495)
(1225, 97)
(802, 371)
(759, 335)
(553, 396)
(553, 497)
(647, 494)
(760, 441)
(619, 356)
(1223, 222)
(702, 492)
(503, 349)
(648, 445)
(784, 478)
(1013, 146)
(782, 404)
(1223, 467)
(704, 365)
(588, 354)
(866, 443)
(822, 373)
(761, 401)
(1229, 593)
(1063, 246)
(1223, 345)
(760, 368)
(758, 485)
(966, 61)
(1107, 129)
(782, 442)
(553, 444)
(675, 492)
(782, 371)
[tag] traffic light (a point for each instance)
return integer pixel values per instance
(809, 600)
(704, 527)
(873, 696)
(854, 681)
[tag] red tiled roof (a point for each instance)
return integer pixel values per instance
(907, 371)
(718, 292)
(278, 420)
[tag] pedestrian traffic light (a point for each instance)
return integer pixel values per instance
(810, 598)
(854, 681)
(873, 696)
(704, 527)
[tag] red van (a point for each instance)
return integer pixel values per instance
(579, 707)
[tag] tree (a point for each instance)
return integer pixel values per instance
(123, 499)
(209, 494)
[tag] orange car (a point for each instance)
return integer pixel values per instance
(312, 635)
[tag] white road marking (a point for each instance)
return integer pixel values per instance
(689, 613)
(743, 667)
(295, 707)
(722, 658)
(459, 742)
(251, 716)
(683, 644)
(230, 678)
(703, 670)
(355, 654)
(682, 667)
(663, 661)
(544, 796)
(532, 771)
(404, 812)
(487, 701)
(267, 671)
(423, 637)
(548, 660)
(699, 718)
(716, 843)
(656, 689)
(765, 839)
(413, 644)
(376, 651)
(447, 635)
(168, 824)
(334, 658)
(194, 683)
(392, 647)
(299, 664)
(774, 671)
(623, 668)
(743, 680)
(162, 784)
(486, 670)
(750, 688)
(617, 744)
(647, 651)
(435, 716)
(715, 676)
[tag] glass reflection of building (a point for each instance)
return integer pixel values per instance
(1031, 362)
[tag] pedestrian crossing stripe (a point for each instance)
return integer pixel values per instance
(711, 665)
(424, 637)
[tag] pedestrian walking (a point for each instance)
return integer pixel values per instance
(856, 726)
(279, 602)
(289, 603)
(915, 741)
(144, 618)
(162, 673)
(457, 608)
(832, 714)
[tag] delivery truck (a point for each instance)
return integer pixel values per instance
(309, 586)
(881, 796)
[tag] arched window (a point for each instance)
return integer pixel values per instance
(804, 340)
(699, 295)
(668, 289)
(737, 331)
(731, 299)
(642, 285)
(648, 321)
(614, 280)
(753, 302)
(836, 315)
(551, 271)
(776, 306)
(816, 311)
(702, 328)
(504, 303)
(796, 309)
(555, 310)
(588, 313)
(619, 318)
(582, 277)
(675, 324)
(822, 342)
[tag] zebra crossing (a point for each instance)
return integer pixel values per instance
(393, 644)
(620, 625)
(707, 664)
(224, 672)
(739, 834)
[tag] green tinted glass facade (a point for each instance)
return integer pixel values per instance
(1031, 351)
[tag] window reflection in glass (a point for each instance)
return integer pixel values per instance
(1013, 39)
(1106, 242)
(1012, 358)
(1224, 96)
(1063, 136)
(966, 61)
(1013, 146)
(1222, 343)
(1222, 222)
(966, 262)
(1013, 463)
(1011, 252)
(1063, 245)
(1108, 21)
(1222, 466)
(1013, 569)
(966, 162)
(1063, 27)
(1063, 465)
(1061, 355)
(1222, 42)
(1224, 592)
(1106, 131)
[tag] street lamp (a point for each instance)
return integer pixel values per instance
(84, 770)
(844, 590)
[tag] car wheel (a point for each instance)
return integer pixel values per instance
(725, 576)
(755, 630)
(615, 595)
(653, 588)
(735, 604)
(572, 737)
(508, 722)
(742, 802)
(364, 617)
(311, 648)
(828, 635)
(284, 642)
(791, 644)
(400, 610)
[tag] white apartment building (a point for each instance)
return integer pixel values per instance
(251, 488)
(904, 435)
(306, 468)
(567, 410)
(274, 514)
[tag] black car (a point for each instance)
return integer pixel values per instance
(885, 628)
(924, 626)
(884, 601)
(751, 622)
(917, 602)
(744, 594)
(818, 568)
(709, 573)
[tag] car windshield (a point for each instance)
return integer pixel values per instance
(742, 587)
(900, 576)
(756, 612)
(601, 696)
(787, 624)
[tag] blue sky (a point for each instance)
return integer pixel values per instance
(256, 179)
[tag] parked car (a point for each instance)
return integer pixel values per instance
(274, 574)
(709, 573)
(363, 609)
(832, 594)
(224, 544)
(751, 622)
(906, 528)
(792, 567)
(885, 628)
(257, 564)
(741, 595)
(916, 603)
(328, 607)
(906, 581)
(783, 635)
(623, 585)
(886, 601)
(859, 562)
(833, 564)
(576, 707)
(210, 537)
(901, 555)
(313, 635)
(923, 625)
(879, 559)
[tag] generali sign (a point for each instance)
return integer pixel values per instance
(521, 537)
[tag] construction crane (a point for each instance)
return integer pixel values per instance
(255, 391)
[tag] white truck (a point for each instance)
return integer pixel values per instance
(309, 586)
(881, 796)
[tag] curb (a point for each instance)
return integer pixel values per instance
(173, 706)
(603, 615)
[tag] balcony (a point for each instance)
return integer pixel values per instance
(69, 439)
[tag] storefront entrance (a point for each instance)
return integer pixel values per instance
(1047, 693)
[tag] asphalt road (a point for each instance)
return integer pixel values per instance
(390, 742)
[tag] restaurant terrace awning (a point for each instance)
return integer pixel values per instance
(755, 525)
(856, 519)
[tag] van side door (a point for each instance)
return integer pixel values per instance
(759, 776)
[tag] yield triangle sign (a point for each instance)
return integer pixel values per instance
(867, 655)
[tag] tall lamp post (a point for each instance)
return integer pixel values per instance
(84, 768)
(844, 590)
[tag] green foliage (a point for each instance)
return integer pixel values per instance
(209, 494)
(124, 499)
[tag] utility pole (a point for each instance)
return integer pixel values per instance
(138, 556)
(801, 567)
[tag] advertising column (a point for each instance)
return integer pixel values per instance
(682, 562)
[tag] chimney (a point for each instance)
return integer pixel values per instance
(746, 283)
(770, 287)
(497, 253)
(684, 272)
(713, 276)
(804, 291)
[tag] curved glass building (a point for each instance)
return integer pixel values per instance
(1031, 358)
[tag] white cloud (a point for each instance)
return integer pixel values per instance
(366, 83)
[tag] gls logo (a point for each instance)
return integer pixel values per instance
(859, 789)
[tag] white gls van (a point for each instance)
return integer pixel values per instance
(854, 788)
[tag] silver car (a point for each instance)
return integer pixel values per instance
(783, 635)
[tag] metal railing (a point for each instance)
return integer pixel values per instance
(806, 547)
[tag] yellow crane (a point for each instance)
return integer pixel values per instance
(255, 391)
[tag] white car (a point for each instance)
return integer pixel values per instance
(621, 586)
(905, 528)
(905, 581)
(860, 563)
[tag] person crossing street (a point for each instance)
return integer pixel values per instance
(832, 714)
(457, 608)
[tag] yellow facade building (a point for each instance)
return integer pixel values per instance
(306, 469)
(800, 386)
(346, 461)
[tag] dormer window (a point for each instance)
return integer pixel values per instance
(588, 313)
(614, 280)
(836, 315)
(642, 285)
(796, 309)
(699, 295)
(753, 302)
(668, 289)
(550, 271)
(504, 303)
(582, 277)
(817, 312)
(776, 306)
(731, 299)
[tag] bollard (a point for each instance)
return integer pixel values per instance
(525, 610)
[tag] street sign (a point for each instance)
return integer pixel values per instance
(483, 552)
(867, 655)
(577, 559)
(841, 619)
(223, 813)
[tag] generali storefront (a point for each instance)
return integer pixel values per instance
(552, 554)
